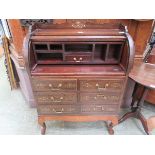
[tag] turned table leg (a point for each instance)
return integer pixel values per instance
(136, 111)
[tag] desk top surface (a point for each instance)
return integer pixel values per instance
(144, 74)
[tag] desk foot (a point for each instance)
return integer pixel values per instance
(110, 129)
(136, 115)
(43, 128)
(144, 122)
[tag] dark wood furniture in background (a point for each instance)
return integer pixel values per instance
(144, 76)
(78, 71)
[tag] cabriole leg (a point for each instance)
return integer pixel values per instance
(43, 126)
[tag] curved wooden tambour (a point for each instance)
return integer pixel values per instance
(108, 33)
(131, 49)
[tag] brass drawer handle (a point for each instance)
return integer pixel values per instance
(52, 98)
(100, 88)
(61, 111)
(80, 59)
(116, 85)
(102, 108)
(75, 59)
(114, 97)
(87, 84)
(100, 95)
(58, 87)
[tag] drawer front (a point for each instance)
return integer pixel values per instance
(100, 109)
(55, 98)
(78, 58)
(102, 98)
(53, 85)
(57, 109)
(101, 85)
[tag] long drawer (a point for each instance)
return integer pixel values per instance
(58, 109)
(99, 98)
(48, 84)
(99, 109)
(77, 109)
(101, 85)
(78, 58)
(55, 97)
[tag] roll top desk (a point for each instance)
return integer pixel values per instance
(78, 71)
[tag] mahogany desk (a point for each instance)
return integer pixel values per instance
(144, 76)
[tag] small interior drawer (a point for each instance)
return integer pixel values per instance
(78, 58)
(55, 97)
(53, 84)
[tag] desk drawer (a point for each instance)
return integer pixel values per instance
(53, 84)
(78, 58)
(102, 98)
(99, 109)
(57, 109)
(101, 85)
(55, 97)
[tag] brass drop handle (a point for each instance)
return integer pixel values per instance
(50, 85)
(116, 85)
(61, 111)
(100, 88)
(75, 59)
(59, 86)
(100, 95)
(60, 100)
(114, 97)
(102, 108)
(87, 84)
